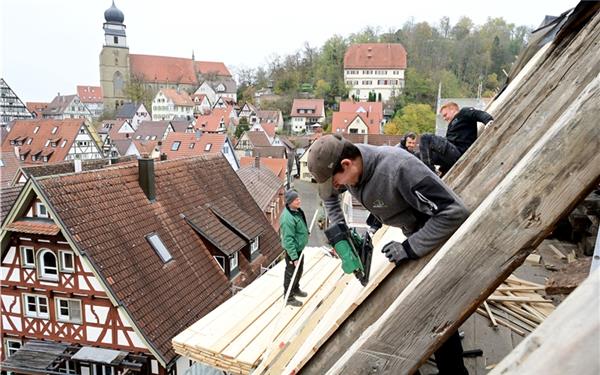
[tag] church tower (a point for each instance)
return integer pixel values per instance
(114, 59)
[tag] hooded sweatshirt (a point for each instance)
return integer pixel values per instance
(400, 191)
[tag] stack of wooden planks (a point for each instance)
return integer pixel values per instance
(254, 331)
(516, 305)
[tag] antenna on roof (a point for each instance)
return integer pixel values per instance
(193, 57)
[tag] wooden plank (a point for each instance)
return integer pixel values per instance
(491, 316)
(558, 253)
(488, 246)
(533, 259)
(566, 343)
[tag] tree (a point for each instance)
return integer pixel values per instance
(242, 127)
(138, 92)
(418, 118)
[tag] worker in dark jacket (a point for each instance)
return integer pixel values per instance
(294, 237)
(400, 191)
(461, 134)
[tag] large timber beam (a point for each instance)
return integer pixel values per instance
(553, 82)
(544, 185)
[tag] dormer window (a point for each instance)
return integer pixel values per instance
(54, 129)
(29, 140)
(254, 246)
(47, 143)
(192, 145)
(233, 265)
(37, 129)
(64, 142)
(207, 147)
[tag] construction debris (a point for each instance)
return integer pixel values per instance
(568, 277)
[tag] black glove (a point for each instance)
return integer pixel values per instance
(395, 252)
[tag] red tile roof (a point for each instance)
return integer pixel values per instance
(375, 56)
(210, 122)
(316, 104)
(269, 128)
(34, 227)
(191, 145)
(262, 184)
(275, 165)
(36, 107)
(10, 166)
(341, 120)
(162, 298)
(180, 98)
(375, 109)
(66, 130)
(258, 138)
(90, 94)
(374, 139)
(172, 69)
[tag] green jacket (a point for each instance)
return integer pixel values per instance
(293, 231)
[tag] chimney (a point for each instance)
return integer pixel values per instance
(257, 161)
(146, 176)
(163, 156)
(77, 165)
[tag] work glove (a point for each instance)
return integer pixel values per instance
(395, 252)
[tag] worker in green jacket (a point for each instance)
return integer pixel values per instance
(294, 236)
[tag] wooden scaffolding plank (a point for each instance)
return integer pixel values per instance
(487, 247)
(568, 342)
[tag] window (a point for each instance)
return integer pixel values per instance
(36, 306)
(47, 143)
(68, 310)
(67, 261)
(254, 246)
(37, 129)
(220, 261)
(159, 247)
(29, 141)
(207, 147)
(27, 257)
(40, 208)
(12, 345)
(192, 145)
(175, 146)
(54, 129)
(63, 143)
(81, 130)
(233, 261)
(48, 267)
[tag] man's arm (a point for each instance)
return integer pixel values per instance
(480, 116)
(333, 207)
(426, 193)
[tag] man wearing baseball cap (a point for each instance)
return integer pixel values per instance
(400, 191)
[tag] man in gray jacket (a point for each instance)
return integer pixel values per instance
(400, 191)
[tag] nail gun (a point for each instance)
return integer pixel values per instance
(354, 250)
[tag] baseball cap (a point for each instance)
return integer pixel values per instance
(324, 155)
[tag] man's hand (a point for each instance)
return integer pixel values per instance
(395, 252)
(295, 262)
(490, 123)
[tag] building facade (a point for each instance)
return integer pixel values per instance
(11, 107)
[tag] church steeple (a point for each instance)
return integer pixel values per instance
(114, 29)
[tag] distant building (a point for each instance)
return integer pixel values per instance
(170, 104)
(91, 97)
(64, 107)
(181, 145)
(36, 108)
(358, 118)
(134, 112)
(375, 68)
(305, 113)
(11, 107)
(118, 68)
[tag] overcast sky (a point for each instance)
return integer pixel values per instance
(51, 46)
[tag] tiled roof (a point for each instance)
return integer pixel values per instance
(236, 217)
(36, 107)
(127, 111)
(374, 139)
(58, 105)
(8, 197)
(275, 165)
(374, 109)
(145, 147)
(262, 184)
(66, 131)
(375, 56)
(192, 145)
(172, 69)
(258, 138)
(90, 94)
(269, 128)
(211, 121)
(207, 224)
(9, 167)
(316, 104)
(268, 116)
(180, 98)
(69, 166)
(162, 299)
(148, 129)
(181, 126)
(341, 120)
(34, 227)
(270, 152)
(122, 145)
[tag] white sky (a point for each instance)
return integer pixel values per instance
(50, 46)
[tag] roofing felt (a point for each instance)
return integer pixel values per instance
(262, 184)
(162, 299)
(375, 56)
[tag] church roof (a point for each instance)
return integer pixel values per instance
(152, 68)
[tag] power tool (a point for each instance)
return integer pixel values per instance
(354, 250)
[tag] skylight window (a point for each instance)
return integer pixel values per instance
(159, 247)
(54, 129)
(207, 147)
(175, 146)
